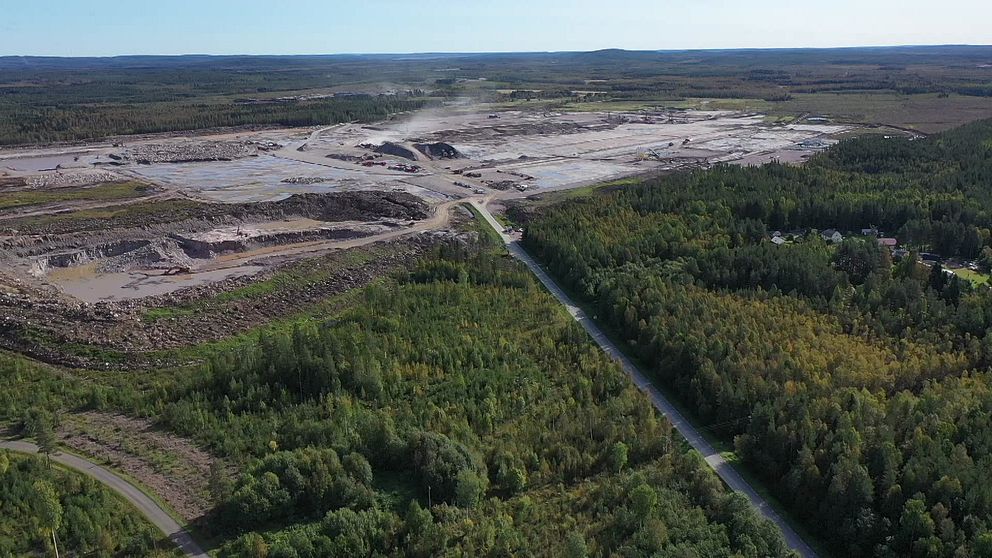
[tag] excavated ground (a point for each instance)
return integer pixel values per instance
(231, 230)
(44, 324)
(117, 253)
(193, 272)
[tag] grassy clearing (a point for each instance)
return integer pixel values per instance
(551, 198)
(778, 118)
(745, 105)
(166, 312)
(502, 219)
(89, 219)
(701, 103)
(927, 113)
(530, 104)
(111, 466)
(618, 106)
(976, 278)
(101, 192)
(483, 228)
(34, 336)
(397, 488)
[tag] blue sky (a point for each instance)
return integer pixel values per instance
(104, 27)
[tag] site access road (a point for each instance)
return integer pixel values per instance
(148, 507)
(713, 458)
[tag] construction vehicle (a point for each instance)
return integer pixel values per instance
(176, 270)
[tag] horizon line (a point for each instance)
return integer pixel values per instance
(505, 52)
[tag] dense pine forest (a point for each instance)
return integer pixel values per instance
(853, 380)
(57, 123)
(451, 410)
(90, 521)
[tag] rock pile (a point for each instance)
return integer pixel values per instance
(190, 152)
(396, 150)
(439, 150)
(67, 179)
(305, 180)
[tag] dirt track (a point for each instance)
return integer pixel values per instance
(439, 218)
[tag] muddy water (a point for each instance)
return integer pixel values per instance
(93, 287)
(37, 164)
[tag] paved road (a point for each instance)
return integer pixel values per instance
(137, 498)
(713, 458)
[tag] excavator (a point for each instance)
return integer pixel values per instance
(176, 270)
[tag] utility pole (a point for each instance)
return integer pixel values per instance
(55, 543)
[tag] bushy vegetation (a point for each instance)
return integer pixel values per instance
(88, 520)
(857, 387)
(452, 410)
(460, 397)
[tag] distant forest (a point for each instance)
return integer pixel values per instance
(854, 382)
(62, 99)
(51, 123)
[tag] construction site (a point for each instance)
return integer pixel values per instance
(112, 224)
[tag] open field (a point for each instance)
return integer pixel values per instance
(927, 113)
(974, 277)
(100, 192)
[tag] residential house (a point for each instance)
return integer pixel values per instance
(832, 235)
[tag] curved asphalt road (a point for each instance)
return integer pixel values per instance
(137, 498)
(713, 458)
